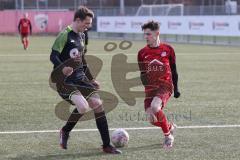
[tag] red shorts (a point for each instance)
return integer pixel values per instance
(151, 94)
(24, 34)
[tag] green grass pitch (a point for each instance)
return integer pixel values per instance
(209, 79)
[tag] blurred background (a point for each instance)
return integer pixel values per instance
(182, 21)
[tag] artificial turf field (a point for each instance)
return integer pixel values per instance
(207, 112)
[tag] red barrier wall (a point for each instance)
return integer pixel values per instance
(42, 21)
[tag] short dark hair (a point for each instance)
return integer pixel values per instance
(152, 25)
(82, 13)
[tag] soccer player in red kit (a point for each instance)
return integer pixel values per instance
(157, 64)
(25, 28)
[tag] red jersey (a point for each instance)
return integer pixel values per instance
(24, 26)
(156, 64)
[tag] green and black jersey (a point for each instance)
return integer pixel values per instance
(65, 43)
(68, 40)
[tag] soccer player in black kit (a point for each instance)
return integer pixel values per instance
(74, 81)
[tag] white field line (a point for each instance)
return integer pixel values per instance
(134, 128)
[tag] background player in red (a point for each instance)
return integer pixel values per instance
(157, 64)
(24, 29)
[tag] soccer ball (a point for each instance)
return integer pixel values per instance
(120, 138)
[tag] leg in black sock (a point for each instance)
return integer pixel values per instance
(72, 120)
(102, 126)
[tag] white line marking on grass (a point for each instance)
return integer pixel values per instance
(135, 128)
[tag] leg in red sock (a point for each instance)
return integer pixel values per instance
(27, 43)
(162, 122)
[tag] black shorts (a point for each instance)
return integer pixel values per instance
(66, 88)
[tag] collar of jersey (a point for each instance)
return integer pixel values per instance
(69, 28)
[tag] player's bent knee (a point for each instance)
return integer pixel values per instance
(80, 103)
(95, 103)
(155, 108)
(156, 104)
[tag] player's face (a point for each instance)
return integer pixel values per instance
(83, 25)
(25, 15)
(151, 36)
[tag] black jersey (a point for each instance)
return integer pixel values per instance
(66, 42)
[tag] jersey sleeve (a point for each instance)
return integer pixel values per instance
(55, 59)
(140, 62)
(143, 75)
(173, 66)
(172, 57)
(60, 42)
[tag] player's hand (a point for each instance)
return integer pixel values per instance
(96, 84)
(177, 94)
(67, 71)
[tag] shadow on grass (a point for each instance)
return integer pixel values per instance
(94, 152)
(64, 155)
(144, 148)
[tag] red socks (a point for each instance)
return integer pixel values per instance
(162, 122)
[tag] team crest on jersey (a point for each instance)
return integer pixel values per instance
(41, 21)
(163, 54)
(74, 53)
(156, 61)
